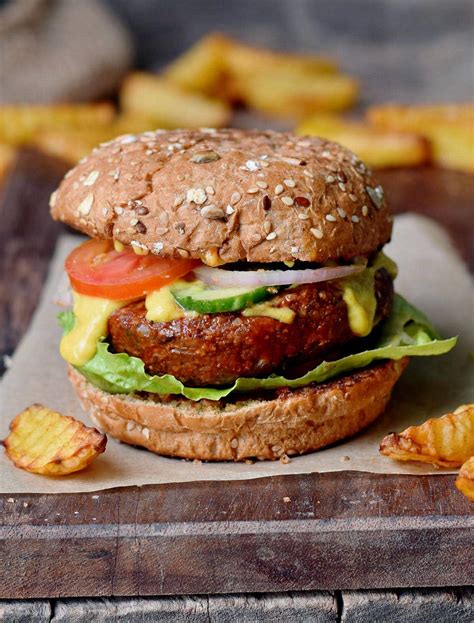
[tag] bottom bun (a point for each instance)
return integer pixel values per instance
(294, 422)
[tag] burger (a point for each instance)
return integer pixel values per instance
(233, 300)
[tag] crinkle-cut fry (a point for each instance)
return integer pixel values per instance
(20, 123)
(465, 479)
(46, 442)
(449, 128)
(169, 105)
(447, 441)
(377, 147)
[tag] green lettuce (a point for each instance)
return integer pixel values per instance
(407, 332)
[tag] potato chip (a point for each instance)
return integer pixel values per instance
(447, 441)
(45, 442)
(465, 480)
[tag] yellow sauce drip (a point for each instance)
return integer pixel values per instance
(91, 313)
(161, 305)
(282, 314)
(359, 295)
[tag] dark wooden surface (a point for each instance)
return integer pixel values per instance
(338, 531)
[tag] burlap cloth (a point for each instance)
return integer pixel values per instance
(60, 50)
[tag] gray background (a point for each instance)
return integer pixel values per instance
(402, 50)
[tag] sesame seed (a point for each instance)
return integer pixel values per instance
(118, 210)
(287, 201)
(352, 197)
(331, 218)
(355, 218)
(341, 212)
(256, 237)
(375, 195)
(294, 250)
(229, 210)
(91, 178)
(234, 443)
(146, 432)
(196, 195)
(104, 211)
(341, 176)
(183, 253)
(317, 233)
(271, 236)
(303, 216)
(130, 425)
(276, 448)
(289, 183)
(86, 205)
(133, 221)
(289, 160)
(212, 212)
(279, 189)
(235, 197)
(128, 139)
(210, 190)
(365, 210)
(303, 202)
(142, 210)
(342, 187)
(330, 179)
(265, 164)
(52, 199)
(326, 154)
(267, 227)
(266, 203)
(252, 165)
(178, 201)
(262, 184)
(252, 190)
(158, 246)
(140, 227)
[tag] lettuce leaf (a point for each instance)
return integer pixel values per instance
(407, 332)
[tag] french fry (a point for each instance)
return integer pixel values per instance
(168, 105)
(377, 147)
(72, 144)
(7, 156)
(200, 68)
(297, 95)
(20, 123)
(465, 479)
(243, 60)
(45, 442)
(449, 129)
(447, 441)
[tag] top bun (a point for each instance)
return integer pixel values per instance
(227, 195)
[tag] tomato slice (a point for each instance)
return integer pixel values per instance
(96, 269)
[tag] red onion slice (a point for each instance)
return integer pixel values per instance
(254, 278)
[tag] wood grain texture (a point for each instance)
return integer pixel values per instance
(339, 531)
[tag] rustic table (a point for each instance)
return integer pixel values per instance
(339, 533)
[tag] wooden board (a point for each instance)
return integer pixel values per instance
(338, 531)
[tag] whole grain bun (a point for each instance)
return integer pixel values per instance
(227, 195)
(295, 422)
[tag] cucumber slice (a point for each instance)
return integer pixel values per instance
(216, 300)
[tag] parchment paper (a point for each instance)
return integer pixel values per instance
(431, 275)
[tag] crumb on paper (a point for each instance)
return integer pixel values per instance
(285, 459)
(197, 462)
(95, 497)
(286, 499)
(345, 458)
(11, 500)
